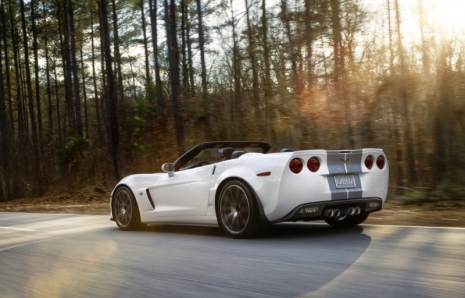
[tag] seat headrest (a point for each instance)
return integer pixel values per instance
(236, 154)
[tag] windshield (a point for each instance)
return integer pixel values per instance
(210, 155)
(213, 155)
(211, 152)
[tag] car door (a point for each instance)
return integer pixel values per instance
(183, 194)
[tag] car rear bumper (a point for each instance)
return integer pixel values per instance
(321, 210)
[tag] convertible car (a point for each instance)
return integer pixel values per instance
(254, 188)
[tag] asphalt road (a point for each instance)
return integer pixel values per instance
(45, 255)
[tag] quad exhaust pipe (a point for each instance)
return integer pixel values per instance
(353, 211)
(330, 213)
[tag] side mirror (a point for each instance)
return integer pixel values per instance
(168, 168)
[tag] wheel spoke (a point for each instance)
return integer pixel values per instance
(229, 216)
(237, 195)
(234, 220)
(228, 201)
(123, 208)
(234, 209)
(243, 216)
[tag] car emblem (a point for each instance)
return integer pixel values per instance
(345, 159)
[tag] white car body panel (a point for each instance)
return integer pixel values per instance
(183, 194)
(188, 196)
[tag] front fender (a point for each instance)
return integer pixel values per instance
(138, 184)
(137, 181)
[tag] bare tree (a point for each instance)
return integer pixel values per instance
(253, 58)
(174, 72)
(158, 83)
(110, 90)
(410, 168)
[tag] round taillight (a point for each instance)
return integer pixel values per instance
(296, 166)
(369, 162)
(380, 162)
(313, 164)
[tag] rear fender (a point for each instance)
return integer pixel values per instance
(264, 187)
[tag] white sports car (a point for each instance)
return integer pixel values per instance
(254, 189)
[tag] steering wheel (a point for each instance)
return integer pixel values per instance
(202, 163)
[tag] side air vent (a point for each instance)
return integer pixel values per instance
(150, 198)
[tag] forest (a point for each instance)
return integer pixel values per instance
(94, 90)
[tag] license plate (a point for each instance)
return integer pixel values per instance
(344, 181)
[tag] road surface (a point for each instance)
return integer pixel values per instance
(46, 255)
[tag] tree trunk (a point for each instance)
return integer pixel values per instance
(74, 70)
(168, 34)
(309, 42)
(57, 100)
(160, 98)
(184, 34)
(410, 165)
(202, 50)
(36, 68)
(267, 84)
(84, 94)
(66, 60)
(174, 71)
(391, 45)
(94, 77)
(189, 57)
(144, 33)
(110, 90)
(5, 192)
(7, 66)
(253, 60)
(21, 125)
(425, 57)
(236, 61)
(205, 101)
(400, 49)
(337, 40)
(266, 53)
(286, 19)
(117, 56)
(35, 162)
(47, 73)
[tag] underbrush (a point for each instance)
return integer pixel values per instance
(443, 195)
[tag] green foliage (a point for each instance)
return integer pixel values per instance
(449, 192)
(73, 150)
(444, 193)
(413, 197)
(142, 115)
(77, 163)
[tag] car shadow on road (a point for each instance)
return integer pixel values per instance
(184, 229)
(307, 256)
(307, 230)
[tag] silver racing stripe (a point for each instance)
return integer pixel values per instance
(341, 163)
(345, 193)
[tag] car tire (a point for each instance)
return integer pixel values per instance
(347, 221)
(125, 210)
(236, 210)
